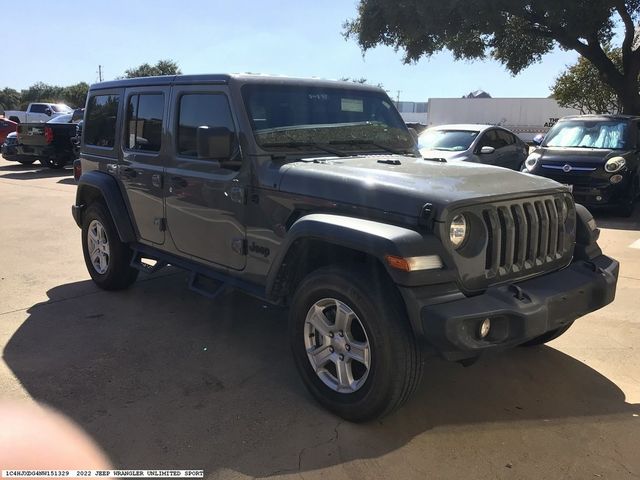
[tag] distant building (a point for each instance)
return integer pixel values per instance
(477, 94)
(524, 116)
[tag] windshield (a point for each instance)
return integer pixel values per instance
(61, 119)
(605, 134)
(311, 117)
(60, 107)
(449, 140)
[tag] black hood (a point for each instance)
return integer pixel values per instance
(578, 156)
(405, 184)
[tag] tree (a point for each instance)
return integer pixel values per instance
(76, 95)
(163, 67)
(515, 32)
(9, 99)
(582, 88)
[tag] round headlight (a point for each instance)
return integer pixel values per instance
(458, 231)
(531, 161)
(615, 164)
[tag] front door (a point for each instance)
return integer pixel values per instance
(144, 156)
(204, 196)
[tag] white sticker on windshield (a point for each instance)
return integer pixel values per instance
(352, 105)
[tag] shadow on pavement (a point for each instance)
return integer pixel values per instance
(164, 378)
(32, 172)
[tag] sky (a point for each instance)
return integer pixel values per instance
(67, 39)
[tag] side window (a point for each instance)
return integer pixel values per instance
(144, 122)
(490, 139)
(100, 124)
(205, 125)
(505, 138)
(38, 108)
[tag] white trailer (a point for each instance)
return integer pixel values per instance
(526, 117)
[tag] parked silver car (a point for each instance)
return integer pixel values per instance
(486, 144)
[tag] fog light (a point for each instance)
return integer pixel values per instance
(485, 326)
(598, 198)
(616, 179)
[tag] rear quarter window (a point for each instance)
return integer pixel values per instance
(101, 117)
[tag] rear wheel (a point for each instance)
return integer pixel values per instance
(55, 163)
(352, 343)
(547, 337)
(106, 256)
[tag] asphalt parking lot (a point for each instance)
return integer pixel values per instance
(163, 378)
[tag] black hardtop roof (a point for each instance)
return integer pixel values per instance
(617, 116)
(226, 79)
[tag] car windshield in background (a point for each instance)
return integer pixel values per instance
(66, 118)
(588, 134)
(448, 140)
(310, 118)
(61, 108)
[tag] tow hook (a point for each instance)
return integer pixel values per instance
(593, 267)
(518, 292)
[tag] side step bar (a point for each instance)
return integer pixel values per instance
(203, 280)
(206, 286)
(138, 264)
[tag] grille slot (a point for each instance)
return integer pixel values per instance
(525, 235)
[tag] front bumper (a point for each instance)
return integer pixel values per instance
(518, 312)
(592, 188)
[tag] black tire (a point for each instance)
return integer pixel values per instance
(118, 274)
(547, 337)
(26, 162)
(626, 209)
(395, 356)
(45, 162)
(55, 163)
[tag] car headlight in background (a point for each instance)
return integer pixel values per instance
(615, 164)
(458, 231)
(531, 161)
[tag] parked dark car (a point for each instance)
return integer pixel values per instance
(6, 127)
(311, 195)
(10, 150)
(486, 144)
(599, 155)
(53, 143)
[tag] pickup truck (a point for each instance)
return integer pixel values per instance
(38, 112)
(53, 143)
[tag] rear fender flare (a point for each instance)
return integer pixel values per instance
(107, 188)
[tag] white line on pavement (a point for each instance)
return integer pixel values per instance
(635, 244)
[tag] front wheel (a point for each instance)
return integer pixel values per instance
(26, 162)
(106, 256)
(352, 342)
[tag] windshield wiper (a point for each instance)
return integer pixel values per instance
(319, 146)
(375, 144)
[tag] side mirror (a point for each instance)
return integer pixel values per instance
(487, 150)
(48, 112)
(214, 143)
(537, 140)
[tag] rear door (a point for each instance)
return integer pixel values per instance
(144, 157)
(205, 196)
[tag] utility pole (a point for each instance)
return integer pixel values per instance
(99, 73)
(398, 96)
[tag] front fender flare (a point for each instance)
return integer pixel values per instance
(368, 236)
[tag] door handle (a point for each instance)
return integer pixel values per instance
(178, 182)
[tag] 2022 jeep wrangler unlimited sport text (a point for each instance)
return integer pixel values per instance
(311, 194)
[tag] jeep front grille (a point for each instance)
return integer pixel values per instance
(525, 236)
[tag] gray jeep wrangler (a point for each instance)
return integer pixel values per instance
(311, 194)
